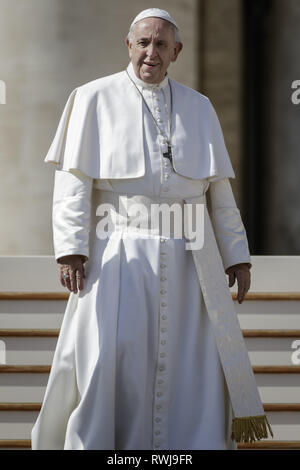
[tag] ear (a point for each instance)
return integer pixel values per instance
(178, 47)
(129, 45)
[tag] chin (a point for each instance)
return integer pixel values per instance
(149, 80)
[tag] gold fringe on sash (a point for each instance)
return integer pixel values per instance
(250, 428)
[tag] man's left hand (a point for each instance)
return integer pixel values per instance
(241, 272)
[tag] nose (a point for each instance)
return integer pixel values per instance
(151, 51)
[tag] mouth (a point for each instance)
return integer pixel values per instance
(150, 65)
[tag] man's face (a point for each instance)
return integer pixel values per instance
(152, 49)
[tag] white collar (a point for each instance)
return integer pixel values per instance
(149, 86)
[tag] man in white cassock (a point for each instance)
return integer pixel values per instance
(150, 353)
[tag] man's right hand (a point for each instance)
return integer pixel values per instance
(72, 272)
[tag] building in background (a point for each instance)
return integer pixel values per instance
(242, 54)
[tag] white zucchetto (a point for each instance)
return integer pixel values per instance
(154, 12)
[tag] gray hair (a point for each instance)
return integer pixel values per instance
(175, 30)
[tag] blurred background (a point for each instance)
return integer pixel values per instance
(242, 54)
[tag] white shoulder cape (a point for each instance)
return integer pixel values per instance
(100, 132)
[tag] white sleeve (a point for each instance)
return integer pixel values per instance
(71, 213)
(227, 223)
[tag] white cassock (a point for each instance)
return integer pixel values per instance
(136, 364)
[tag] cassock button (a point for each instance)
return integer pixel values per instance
(157, 420)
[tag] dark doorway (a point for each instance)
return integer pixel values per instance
(256, 27)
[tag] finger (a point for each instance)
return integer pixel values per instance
(64, 270)
(61, 277)
(78, 283)
(246, 280)
(79, 277)
(241, 287)
(73, 284)
(247, 285)
(79, 280)
(68, 281)
(231, 278)
(241, 296)
(244, 277)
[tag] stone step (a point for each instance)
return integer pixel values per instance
(25, 444)
(47, 314)
(20, 387)
(37, 347)
(18, 424)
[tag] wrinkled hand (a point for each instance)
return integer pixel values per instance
(73, 265)
(241, 272)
